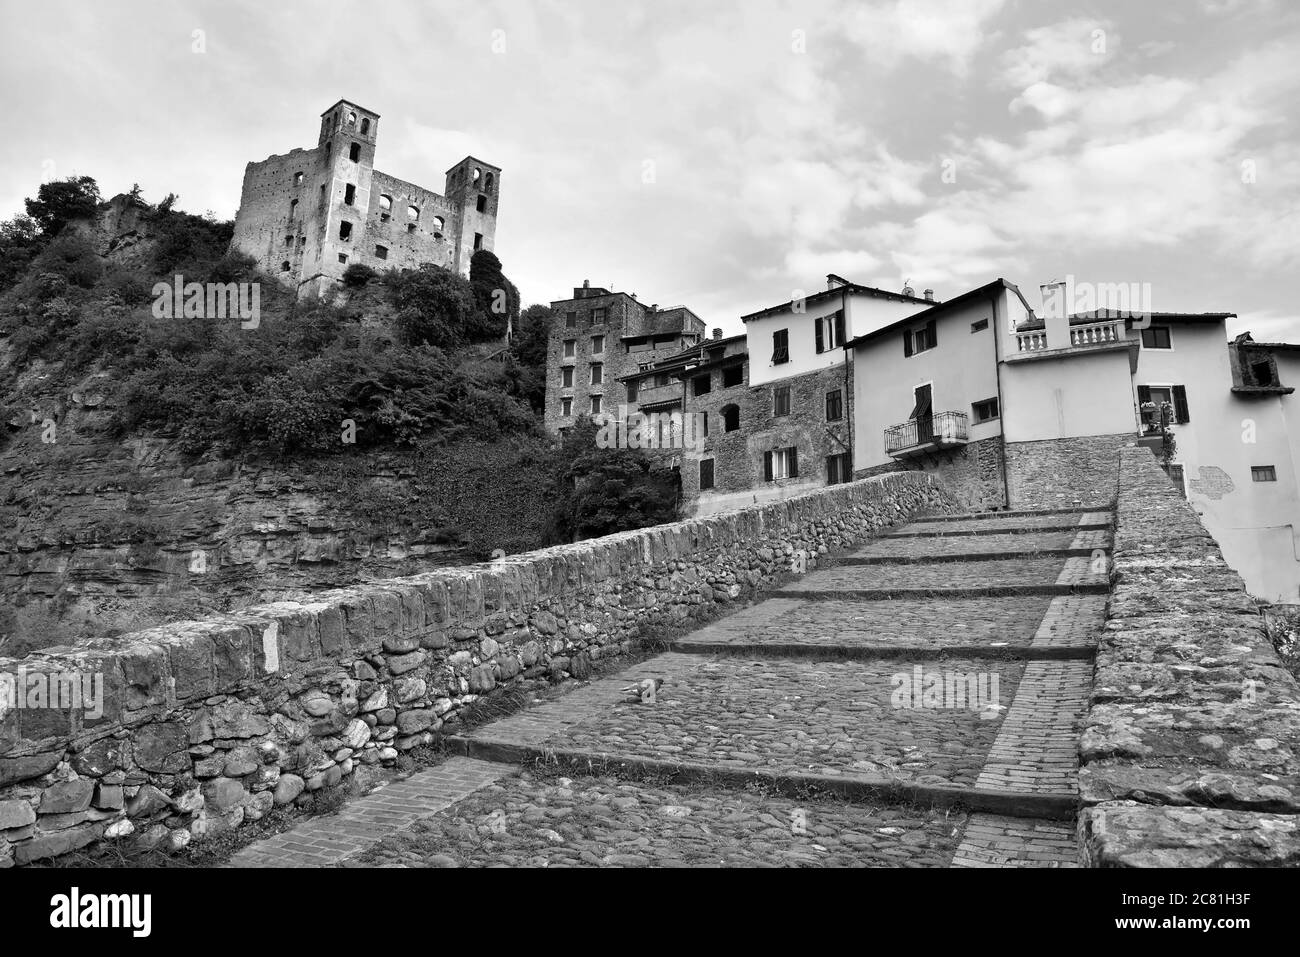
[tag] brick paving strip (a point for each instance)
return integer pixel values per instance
(333, 838)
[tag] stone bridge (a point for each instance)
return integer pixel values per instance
(858, 676)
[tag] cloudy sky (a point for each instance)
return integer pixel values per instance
(726, 154)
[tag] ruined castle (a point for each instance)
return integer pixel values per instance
(307, 215)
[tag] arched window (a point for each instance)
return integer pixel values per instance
(730, 418)
(297, 179)
(412, 213)
(487, 183)
(475, 174)
(438, 223)
(385, 202)
(365, 125)
(352, 119)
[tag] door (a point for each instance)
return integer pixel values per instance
(923, 415)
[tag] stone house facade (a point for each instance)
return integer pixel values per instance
(307, 215)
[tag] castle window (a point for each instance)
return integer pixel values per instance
(352, 119)
(349, 193)
(288, 240)
(345, 231)
(595, 404)
(413, 213)
(410, 227)
(284, 266)
(600, 314)
(302, 241)
(343, 257)
(365, 125)
(1263, 473)
(293, 208)
(702, 384)
(475, 174)
(478, 240)
(385, 202)
(487, 183)
(597, 373)
(381, 252)
(730, 418)
(597, 345)
(566, 406)
(569, 346)
(571, 320)
(354, 152)
(566, 377)
(438, 223)
(297, 179)
(706, 474)
(781, 400)
(482, 204)
(834, 405)
(986, 410)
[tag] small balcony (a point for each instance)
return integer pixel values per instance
(943, 430)
(1082, 335)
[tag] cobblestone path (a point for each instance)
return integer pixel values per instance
(916, 704)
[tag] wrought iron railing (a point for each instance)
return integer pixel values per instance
(942, 428)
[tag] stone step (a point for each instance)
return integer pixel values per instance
(1028, 626)
(594, 820)
(952, 579)
(1000, 525)
(1010, 513)
(1066, 543)
(848, 727)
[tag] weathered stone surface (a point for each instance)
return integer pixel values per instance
(15, 770)
(100, 758)
(148, 800)
(482, 679)
(1132, 835)
(67, 797)
(60, 842)
(222, 794)
(15, 814)
(288, 788)
(161, 747)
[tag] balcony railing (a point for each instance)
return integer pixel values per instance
(1087, 334)
(939, 431)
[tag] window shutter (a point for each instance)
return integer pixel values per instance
(794, 462)
(932, 333)
(1180, 404)
(1144, 395)
(907, 342)
(839, 327)
(821, 339)
(767, 466)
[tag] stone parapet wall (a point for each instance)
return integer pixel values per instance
(1062, 473)
(1187, 756)
(207, 724)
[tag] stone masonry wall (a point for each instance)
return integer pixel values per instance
(1187, 757)
(207, 724)
(972, 473)
(1062, 473)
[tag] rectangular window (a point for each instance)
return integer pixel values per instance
(478, 241)
(1152, 397)
(838, 469)
(570, 320)
(322, 194)
(288, 240)
(835, 405)
(482, 204)
(566, 406)
(979, 326)
(983, 411)
(780, 346)
(597, 373)
(600, 314)
(349, 194)
(1156, 337)
(706, 474)
(733, 375)
(293, 208)
(925, 338)
(354, 153)
(780, 464)
(381, 252)
(1263, 473)
(569, 346)
(830, 331)
(595, 404)
(781, 400)
(597, 345)
(343, 257)
(702, 385)
(631, 390)
(566, 377)
(345, 231)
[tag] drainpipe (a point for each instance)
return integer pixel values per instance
(1002, 408)
(848, 389)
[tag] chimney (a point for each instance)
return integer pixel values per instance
(929, 295)
(1056, 313)
(908, 290)
(717, 333)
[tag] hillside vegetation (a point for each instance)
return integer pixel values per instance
(396, 405)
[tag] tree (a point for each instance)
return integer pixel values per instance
(529, 350)
(434, 306)
(603, 491)
(19, 244)
(59, 202)
(496, 299)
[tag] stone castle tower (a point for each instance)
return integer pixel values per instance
(309, 214)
